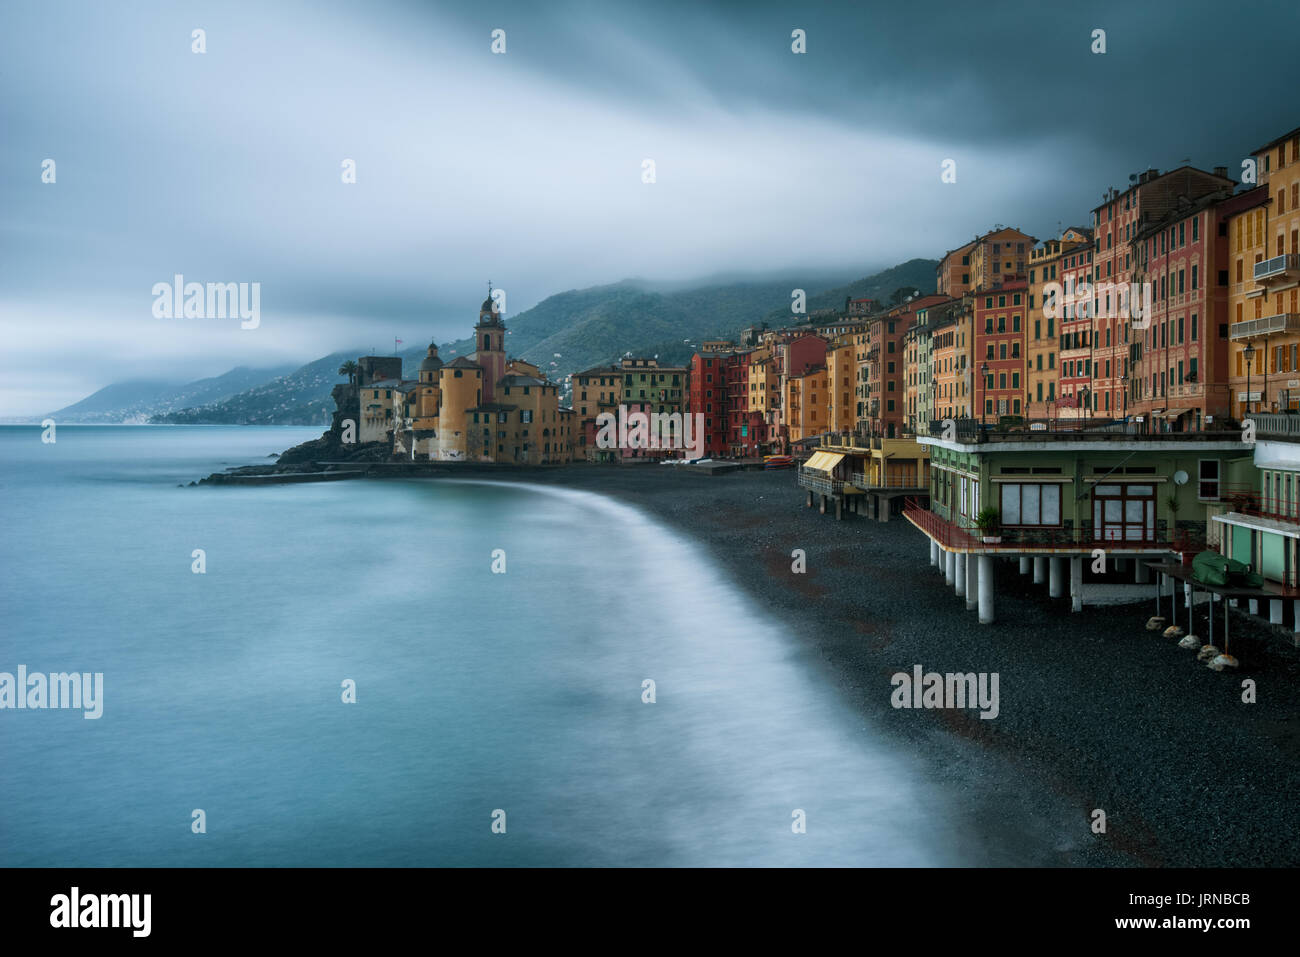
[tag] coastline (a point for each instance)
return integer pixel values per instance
(1096, 712)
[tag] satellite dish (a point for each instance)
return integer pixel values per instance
(1180, 477)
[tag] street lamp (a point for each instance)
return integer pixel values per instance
(984, 373)
(1248, 354)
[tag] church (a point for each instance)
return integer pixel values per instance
(481, 408)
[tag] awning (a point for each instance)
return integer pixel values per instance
(824, 461)
(1169, 413)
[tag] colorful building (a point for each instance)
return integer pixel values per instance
(1264, 290)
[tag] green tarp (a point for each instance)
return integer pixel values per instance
(1211, 568)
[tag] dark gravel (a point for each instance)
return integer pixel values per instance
(1096, 712)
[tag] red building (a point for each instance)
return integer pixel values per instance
(999, 353)
(1180, 352)
(709, 390)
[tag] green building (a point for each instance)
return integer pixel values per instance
(1070, 497)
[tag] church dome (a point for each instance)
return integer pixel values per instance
(431, 362)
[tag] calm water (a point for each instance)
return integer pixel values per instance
(475, 691)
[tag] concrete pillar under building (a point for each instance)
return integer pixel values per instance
(986, 590)
(1056, 572)
(1275, 611)
(839, 509)
(808, 504)
(1076, 583)
(949, 567)
(1142, 572)
(934, 552)
(822, 507)
(1295, 627)
(973, 582)
(959, 575)
(1040, 570)
(1254, 606)
(1187, 596)
(1121, 564)
(1024, 564)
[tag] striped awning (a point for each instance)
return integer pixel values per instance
(824, 461)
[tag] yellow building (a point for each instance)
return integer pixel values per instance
(1264, 284)
(1043, 332)
(841, 376)
(1000, 255)
(763, 391)
(806, 407)
(522, 427)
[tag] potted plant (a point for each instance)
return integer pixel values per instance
(987, 522)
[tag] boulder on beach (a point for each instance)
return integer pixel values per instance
(1173, 631)
(1190, 642)
(1206, 653)
(1219, 662)
(1156, 623)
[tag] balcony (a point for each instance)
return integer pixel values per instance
(894, 482)
(820, 482)
(1282, 324)
(963, 536)
(1287, 266)
(1270, 425)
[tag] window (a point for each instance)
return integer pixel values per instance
(1031, 504)
(1208, 486)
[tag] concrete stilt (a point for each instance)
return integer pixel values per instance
(1024, 564)
(986, 590)
(973, 582)
(959, 575)
(822, 506)
(808, 504)
(1040, 570)
(1121, 564)
(1056, 572)
(1254, 606)
(839, 509)
(1187, 596)
(949, 567)
(1275, 611)
(934, 552)
(1076, 583)
(1295, 627)
(1142, 572)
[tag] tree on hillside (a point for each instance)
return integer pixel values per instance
(349, 369)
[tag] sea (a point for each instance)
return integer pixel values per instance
(406, 673)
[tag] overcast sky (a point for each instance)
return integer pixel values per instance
(526, 167)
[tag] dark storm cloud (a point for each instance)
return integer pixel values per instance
(525, 168)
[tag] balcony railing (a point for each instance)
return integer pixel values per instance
(1286, 322)
(1271, 425)
(820, 482)
(1064, 429)
(1277, 266)
(1278, 504)
(964, 535)
(907, 482)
